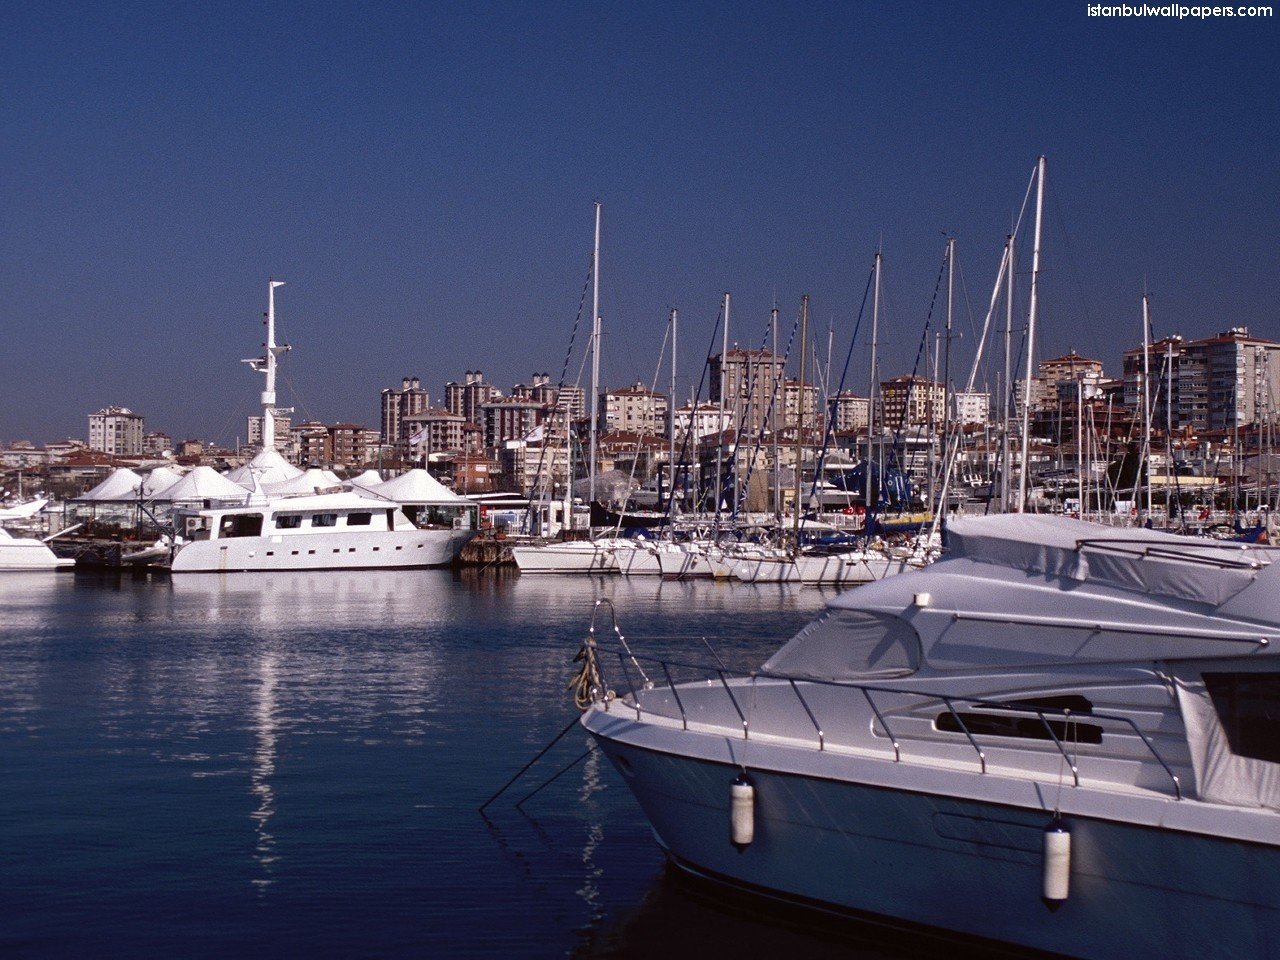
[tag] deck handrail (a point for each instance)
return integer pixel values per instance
(723, 674)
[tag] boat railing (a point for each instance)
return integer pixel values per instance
(720, 676)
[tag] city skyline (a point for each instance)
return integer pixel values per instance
(423, 181)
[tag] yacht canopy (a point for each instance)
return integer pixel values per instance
(1028, 592)
(122, 484)
(416, 486)
(203, 483)
(1186, 568)
(268, 466)
(311, 482)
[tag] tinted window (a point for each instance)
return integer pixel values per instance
(241, 525)
(1248, 705)
(1023, 727)
(288, 521)
(359, 519)
(324, 520)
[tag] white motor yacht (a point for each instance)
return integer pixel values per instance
(335, 531)
(27, 553)
(1060, 735)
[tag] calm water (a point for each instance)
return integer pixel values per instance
(273, 765)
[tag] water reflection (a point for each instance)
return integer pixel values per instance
(264, 767)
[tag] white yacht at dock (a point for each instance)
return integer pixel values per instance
(26, 553)
(333, 531)
(1060, 735)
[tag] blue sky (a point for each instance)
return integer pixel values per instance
(422, 175)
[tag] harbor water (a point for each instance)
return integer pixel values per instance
(263, 765)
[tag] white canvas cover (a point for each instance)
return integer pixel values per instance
(158, 481)
(268, 466)
(203, 483)
(122, 484)
(1221, 776)
(1128, 557)
(849, 645)
(416, 486)
(311, 482)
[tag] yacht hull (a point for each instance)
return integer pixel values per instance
(16, 554)
(574, 556)
(395, 549)
(966, 867)
(840, 569)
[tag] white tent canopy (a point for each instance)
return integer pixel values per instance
(365, 481)
(416, 486)
(122, 484)
(268, 466)
(158, 481)
(312, 482)
(203, 483)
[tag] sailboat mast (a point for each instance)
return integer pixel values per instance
(595, 358)
(1143, 462)
(946, 361)
(720, 430)
(671, 420)
(804, 340)
(1031, 340)
(1005, 394)
(773, 427)
(871, 388)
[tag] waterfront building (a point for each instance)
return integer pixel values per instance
(535, 469)
(411, 398)
(749, 377)
(1226, 382)
(116, 431)
(467, 399)
(253, 430)
(434, 431)
(851, 411)
(972, 408)
(633, 409)
(790, 400)
(704, 420)
(911, 401)
(313, 444)
(466, 472)
(510, 419)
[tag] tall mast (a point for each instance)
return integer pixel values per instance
(267, 365)
(871, 389)
(1008, 384)
(1146, 403)
(671, 421)
(804, 343)
(595, 357)
(773, 415)
(946, 362)
(720, 431)
(1031, 340)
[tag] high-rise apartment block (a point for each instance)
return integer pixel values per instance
(117, 431)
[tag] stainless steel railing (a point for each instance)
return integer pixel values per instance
(634, 700)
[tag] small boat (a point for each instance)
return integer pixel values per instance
(1061, 736)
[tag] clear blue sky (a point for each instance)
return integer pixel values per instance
(422, 176)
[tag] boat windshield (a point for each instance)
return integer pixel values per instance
(849, 645)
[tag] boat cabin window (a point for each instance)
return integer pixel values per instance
(324, 519)
(240, 525)
(1025, 726)
(359, 519)
(1248, 704)
(424, 516)
(288, 521)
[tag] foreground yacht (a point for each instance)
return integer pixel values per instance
(335, 531)
(1061, 736)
